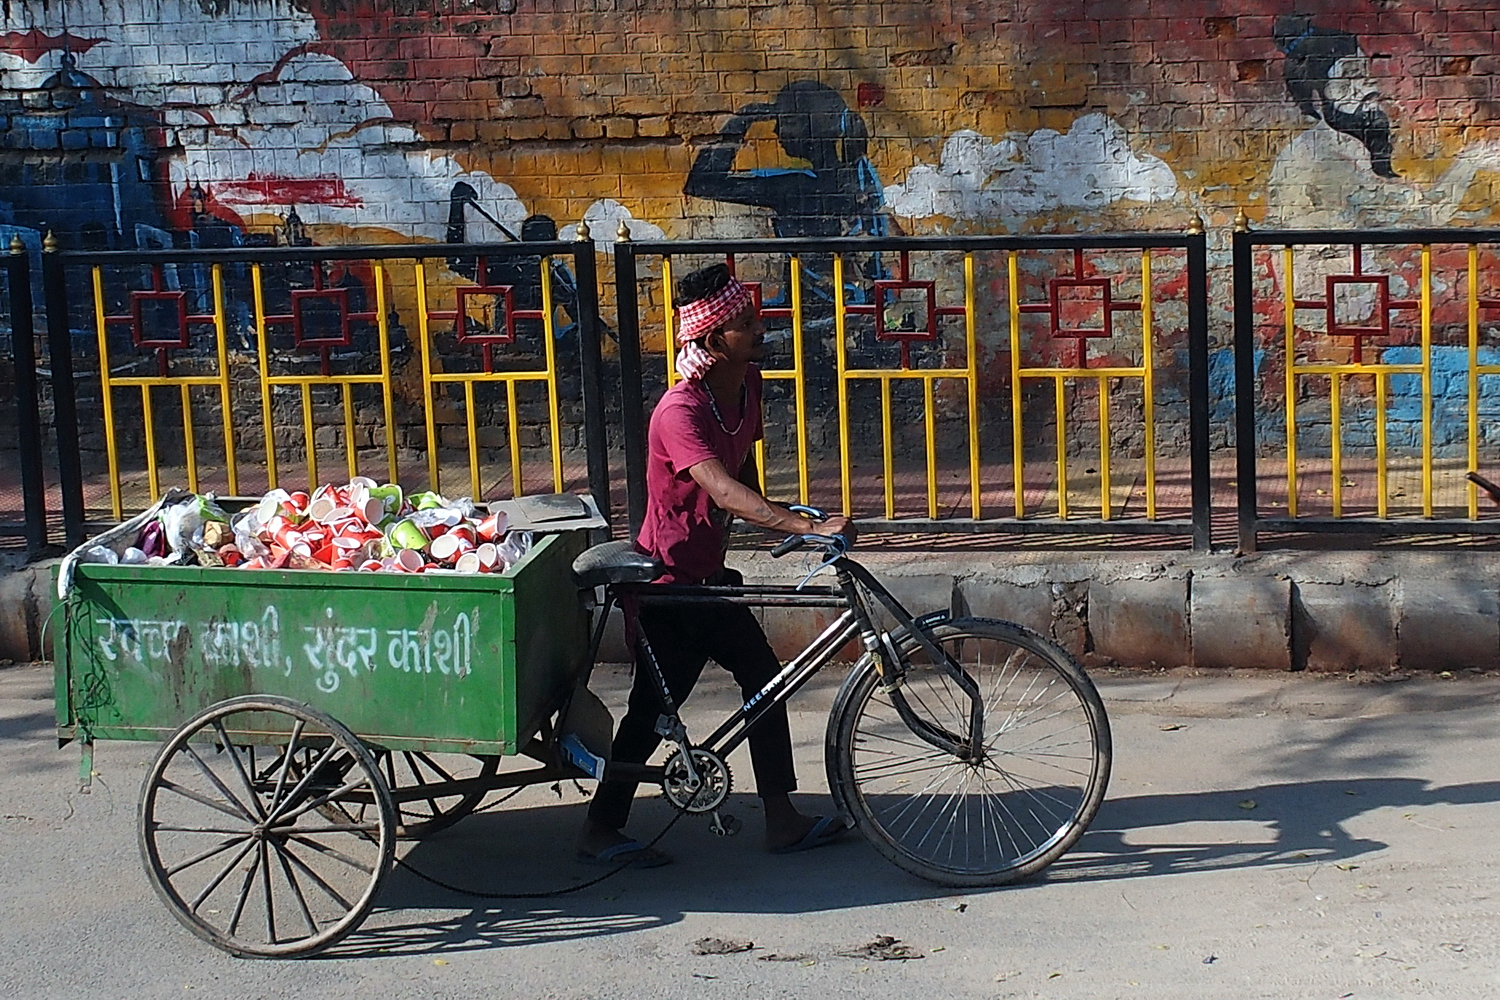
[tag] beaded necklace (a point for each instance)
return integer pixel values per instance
(720, 417)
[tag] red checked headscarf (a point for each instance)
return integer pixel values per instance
(701, 317)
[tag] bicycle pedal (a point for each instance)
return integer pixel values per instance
(725, 825)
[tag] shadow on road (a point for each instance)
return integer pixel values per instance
(1286, 823)
(530, 849)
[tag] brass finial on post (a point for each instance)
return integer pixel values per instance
(583, 235)
(1195, 225)
(16, 246)
(1241, 222)
(49, 245)
(622, 232)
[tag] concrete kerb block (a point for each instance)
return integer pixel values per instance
(1343, 626)
(1025, 604)
(1240, 621)
(1141, 622)
(1448, 624)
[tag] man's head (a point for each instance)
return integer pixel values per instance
(718, 315)
(1328, 76)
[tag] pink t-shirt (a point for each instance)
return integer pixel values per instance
(683, 527)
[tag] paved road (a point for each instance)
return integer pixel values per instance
(1264, 837)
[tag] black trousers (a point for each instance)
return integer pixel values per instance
(684, 638)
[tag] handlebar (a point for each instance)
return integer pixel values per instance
(835, 544)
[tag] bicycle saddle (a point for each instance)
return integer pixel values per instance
(615, 562)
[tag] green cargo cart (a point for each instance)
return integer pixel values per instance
(264, 809)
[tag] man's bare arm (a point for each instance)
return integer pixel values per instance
(747, 504)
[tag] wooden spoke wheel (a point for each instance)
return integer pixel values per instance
(437, 808)
(266, 827)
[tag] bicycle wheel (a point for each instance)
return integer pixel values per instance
(234, 836)
(1033, 789)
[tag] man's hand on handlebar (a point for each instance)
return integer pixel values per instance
(838, 525)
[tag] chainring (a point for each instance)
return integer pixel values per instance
(713, 772)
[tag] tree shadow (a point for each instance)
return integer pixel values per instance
(1285, 823)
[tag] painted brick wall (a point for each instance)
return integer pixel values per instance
(139, 123)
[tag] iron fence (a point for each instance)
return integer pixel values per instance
(908, 343)
(229, 368)
(1363, 368)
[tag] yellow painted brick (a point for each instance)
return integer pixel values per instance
(657, 126)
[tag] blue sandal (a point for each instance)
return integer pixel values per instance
(826, 830)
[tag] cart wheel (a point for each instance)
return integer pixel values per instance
(436, 810)
(233, 834)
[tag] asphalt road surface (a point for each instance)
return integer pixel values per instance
(1280, 837)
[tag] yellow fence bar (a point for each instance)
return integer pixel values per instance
(1336, 422)
(476, 490)
(190, 451)
(221, 334)
(382, 327)
(840, 325)
(111, 454)
(1017, 449)
(887, 447)
(931, 428)
(1472, 491)
(1104, 497)
(307, 432)
(150, 422)
(1062, 451)
(424, 339)
(554, 415)
(799, 382)
(668, 322)
(1289, 308)
(1148, 382)
(513, 424)
(263, 351)
(970, 341)
(1382, 471)
(350, 458)
(1426, 381)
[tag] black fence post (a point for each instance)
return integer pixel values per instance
(595, 437)
(28, 407)
(632, 405)
(1246, 512)
(64, 405)
(1198, 444)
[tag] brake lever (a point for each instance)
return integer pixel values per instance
(837, 545)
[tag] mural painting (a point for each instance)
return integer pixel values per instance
(222, 123)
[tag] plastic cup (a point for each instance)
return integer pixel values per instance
(406, 535)
(468, 563)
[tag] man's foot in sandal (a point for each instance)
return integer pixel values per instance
(627, 854)
(824, 830)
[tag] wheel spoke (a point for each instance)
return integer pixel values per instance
(202, 856)
(213, 884)
(286, 763)
(296, 793)
(332, 853)
(239, 767)
(317, 879)
(244, 811)
(291, 880)
(239, 904)
(321, 800)
(265, 873)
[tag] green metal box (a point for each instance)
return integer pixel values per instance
(430, 661)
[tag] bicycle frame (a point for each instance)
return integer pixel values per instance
(855, 622)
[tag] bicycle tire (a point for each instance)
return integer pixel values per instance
(1022, 830)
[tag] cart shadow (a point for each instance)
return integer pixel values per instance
(1274, 824)
(526, 850)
